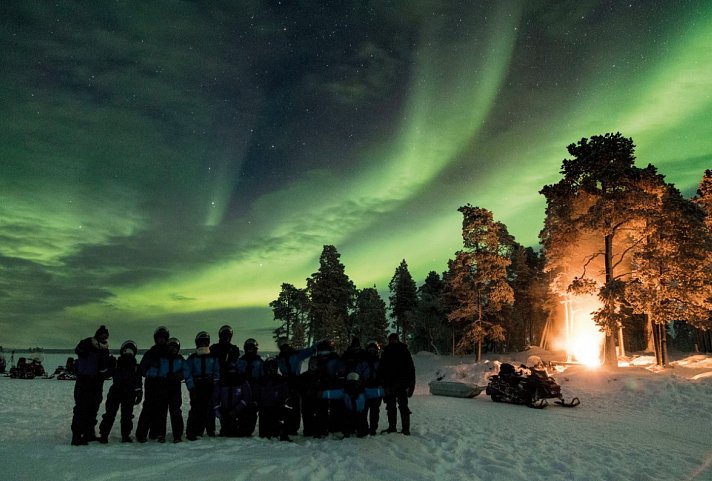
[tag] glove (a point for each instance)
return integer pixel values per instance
(139, 397)
(410, 390)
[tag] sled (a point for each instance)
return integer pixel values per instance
(454, 389)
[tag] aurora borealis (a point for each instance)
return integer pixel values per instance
(175, 162)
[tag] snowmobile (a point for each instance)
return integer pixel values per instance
(68, 372)
(529, 386)
(28, 369)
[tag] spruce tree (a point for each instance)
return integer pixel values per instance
(529, 311)
(431, 331)
(369, 322)
(331, 295)
(403, 299)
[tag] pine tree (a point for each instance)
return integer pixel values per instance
(669, 281)
(331, 295)
(704, 201)
(369, 317)
(600, 204)
(431, 331)
(529, 312)
(403, 299)
(477, 290)
(291, 309)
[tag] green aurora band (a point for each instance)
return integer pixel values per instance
(135, 185)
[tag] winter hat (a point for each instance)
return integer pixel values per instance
(270, 365)
(161, 331)
(129, 345)
(202, 338)
(225, 332)
(173, 341)
(102, 330)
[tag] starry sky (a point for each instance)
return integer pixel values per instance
(174, 162)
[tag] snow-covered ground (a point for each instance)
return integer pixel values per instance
(632, 424)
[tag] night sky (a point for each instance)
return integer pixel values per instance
(174, 162)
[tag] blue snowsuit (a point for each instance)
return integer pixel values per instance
(202, 384)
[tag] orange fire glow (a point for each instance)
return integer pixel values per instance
(582, 338)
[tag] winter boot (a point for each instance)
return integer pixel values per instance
(103, 439)
(392, 421)
(126, 439)
(405, 422)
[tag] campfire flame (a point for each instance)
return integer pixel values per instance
(583, 339)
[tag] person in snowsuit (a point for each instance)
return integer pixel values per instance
(202, 382)
(125, 392)
(353, 355)
(398, 374)
(176, 371)
(368, 369)
(354, 417)
(227, 355)
(233, 399)
(249, 367)
(225, 351)
(314, 408)
(333, 378)
(94, 365)
(289, 361)
(154, 389)
(271, 396)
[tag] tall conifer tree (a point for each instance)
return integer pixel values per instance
(331, 296)
(403, 299)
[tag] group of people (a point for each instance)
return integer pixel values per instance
(336, 394)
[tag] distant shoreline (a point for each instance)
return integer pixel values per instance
(8, 351)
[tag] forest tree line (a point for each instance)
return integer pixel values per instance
(611, 229)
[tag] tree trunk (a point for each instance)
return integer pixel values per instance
(610, 358)
(479, 350)
(544, 340)
(706, 338)
(621, 346)
(650, 337)
(663, 344)
(656, 344)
